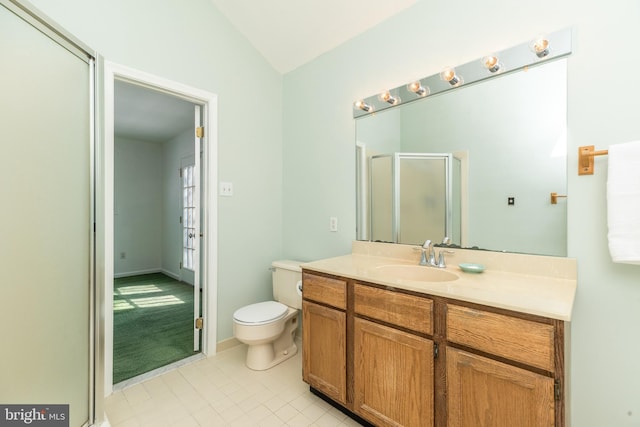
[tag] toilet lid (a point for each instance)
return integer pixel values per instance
(260, 313)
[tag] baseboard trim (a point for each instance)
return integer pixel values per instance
(227, 344)
(148, 271)
(137, 273)
(171, 274)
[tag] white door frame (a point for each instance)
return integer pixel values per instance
(105, 179)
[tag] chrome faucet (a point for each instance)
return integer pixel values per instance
(429, 254)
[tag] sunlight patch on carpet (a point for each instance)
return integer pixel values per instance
(122, 304)
(156, 301)
(139, 289)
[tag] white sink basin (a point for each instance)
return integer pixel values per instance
(416, 273)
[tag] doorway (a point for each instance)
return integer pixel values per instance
(160, 260)
(156, 218)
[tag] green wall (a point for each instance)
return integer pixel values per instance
(319, 156)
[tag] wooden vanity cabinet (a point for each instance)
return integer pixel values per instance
(400, 358)
(324, 331)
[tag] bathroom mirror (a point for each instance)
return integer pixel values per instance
(509, 135)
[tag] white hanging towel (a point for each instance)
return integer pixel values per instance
(623, 202)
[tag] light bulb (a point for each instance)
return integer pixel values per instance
(449, 75)
(361, 105)
(540, 47)
(417, 88)
(491, 63)
(388, 98)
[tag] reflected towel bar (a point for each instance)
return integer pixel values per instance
(555, 197)
(586, 153)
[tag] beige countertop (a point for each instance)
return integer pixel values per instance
(539, 285)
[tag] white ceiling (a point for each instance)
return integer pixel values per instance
(290, 33)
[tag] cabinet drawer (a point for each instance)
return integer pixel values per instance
(516, 339)
(325, 290)
(399, 309)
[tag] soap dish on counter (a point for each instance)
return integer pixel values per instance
(469, 267)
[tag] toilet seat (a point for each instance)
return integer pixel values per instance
(260, 313)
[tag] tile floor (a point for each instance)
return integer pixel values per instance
(222, 391)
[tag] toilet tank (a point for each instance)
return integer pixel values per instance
(285, 277)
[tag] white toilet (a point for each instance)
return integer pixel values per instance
(269, 327)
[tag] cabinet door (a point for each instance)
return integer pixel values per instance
(482, 392)
(393, 376)
(324, 350)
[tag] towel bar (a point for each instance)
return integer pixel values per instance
(554, 198)
(586, 153)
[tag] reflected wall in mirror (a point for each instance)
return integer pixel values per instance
(509, 137)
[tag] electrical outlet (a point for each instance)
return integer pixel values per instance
(511, 200)
(333, 223)
(226, 189)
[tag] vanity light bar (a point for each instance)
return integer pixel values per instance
(540, 50)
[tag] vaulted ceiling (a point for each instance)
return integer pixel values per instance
(288, 33)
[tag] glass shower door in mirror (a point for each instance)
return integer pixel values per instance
(411, 197)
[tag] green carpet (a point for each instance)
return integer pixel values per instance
(152, 324)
